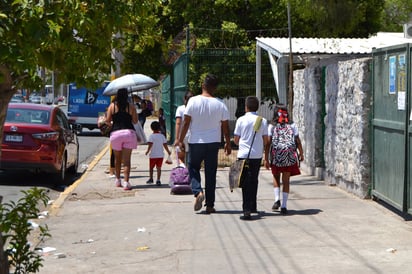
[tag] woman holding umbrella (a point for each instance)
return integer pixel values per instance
(122, 115)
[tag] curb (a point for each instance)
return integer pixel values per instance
(57, 204)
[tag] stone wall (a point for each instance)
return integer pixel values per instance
(332, 105)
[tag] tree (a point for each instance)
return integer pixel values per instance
(72, 38)
(209, 20)
(396, 13)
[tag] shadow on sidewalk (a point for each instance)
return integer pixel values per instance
(268, 214)
(405, 215)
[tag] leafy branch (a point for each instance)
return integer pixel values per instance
(15, 228)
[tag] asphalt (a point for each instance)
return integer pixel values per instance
(98, 228)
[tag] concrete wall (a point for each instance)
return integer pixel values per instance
(332, 105)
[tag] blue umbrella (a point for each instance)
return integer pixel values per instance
(132, 82)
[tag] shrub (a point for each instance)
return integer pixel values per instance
(15, 228)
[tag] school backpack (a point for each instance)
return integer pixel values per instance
(179, 181)
(283, 148)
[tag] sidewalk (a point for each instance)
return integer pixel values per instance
(98, 228)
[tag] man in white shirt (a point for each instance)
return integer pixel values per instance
(206, 117)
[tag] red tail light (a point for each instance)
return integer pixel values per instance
(48, 136)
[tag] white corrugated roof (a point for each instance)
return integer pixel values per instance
(280, 46)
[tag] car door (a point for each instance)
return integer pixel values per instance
(69, 136)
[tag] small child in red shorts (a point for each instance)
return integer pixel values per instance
(157, 141)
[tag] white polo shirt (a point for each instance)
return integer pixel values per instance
(244, 129)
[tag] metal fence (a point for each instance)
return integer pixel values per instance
(236, 70)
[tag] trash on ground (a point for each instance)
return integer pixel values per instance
(84, 242)
(142, 248)
(48, 249)
(392, 250)
(59, 255)
(33, 224)
(43, 214)
(141, 229)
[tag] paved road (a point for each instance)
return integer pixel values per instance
(12, 183)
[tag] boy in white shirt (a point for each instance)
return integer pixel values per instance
(157, 141)
(251, 146)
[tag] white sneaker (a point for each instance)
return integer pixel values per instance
(118, 183)
(127, 186)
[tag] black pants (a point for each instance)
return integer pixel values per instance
(250, 185)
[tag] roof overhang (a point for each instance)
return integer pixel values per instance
(350, 46)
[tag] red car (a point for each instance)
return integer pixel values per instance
(39, 137)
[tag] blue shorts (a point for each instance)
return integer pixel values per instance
(124, 138)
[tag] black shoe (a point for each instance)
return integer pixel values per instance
(247, 215)
(254, 211)
(276, 205)
(210, 209)
(283, 211)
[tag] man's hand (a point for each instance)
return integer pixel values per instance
(228, 148)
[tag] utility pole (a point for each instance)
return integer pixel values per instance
(290, 90)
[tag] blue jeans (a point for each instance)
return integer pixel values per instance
(209, 154)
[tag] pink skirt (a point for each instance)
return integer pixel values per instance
(293, 170)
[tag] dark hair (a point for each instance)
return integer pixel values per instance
(155, 126)
(122, 99)
(187, 96)
(252, 103)
(211, 82)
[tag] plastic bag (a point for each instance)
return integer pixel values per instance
(141, 136)
(105, 129)
(169, 160)
(237, 174)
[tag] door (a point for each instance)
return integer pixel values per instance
(389, 125)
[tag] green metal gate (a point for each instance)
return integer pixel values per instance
(236, 72)
(391, 126)
(174, 87)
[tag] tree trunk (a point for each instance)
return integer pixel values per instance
(4, 263)
(6, 92)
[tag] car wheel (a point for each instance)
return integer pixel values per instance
(75, 166)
